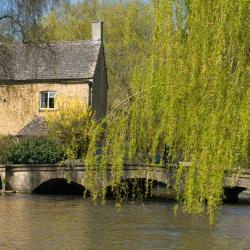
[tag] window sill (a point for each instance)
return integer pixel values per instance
(46, 109)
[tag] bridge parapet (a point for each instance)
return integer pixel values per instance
(25, 178)
(238, 180)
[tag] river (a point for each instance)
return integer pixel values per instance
(68, 222)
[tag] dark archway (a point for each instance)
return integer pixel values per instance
(231, 194)
(137, 189)
(61, 187)
(1, 184)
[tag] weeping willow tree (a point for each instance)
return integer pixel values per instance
(193, 97)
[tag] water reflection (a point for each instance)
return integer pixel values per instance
(60, 222)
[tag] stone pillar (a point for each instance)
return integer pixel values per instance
(6, 178)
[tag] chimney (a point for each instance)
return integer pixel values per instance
(97, 31)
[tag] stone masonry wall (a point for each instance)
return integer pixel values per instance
(20, 103)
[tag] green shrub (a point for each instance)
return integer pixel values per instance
(72, 126)
(33, 151)
(5, 142)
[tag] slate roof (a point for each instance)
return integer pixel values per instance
(55, 61)
(37, 127)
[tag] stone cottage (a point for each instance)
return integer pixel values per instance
(34, 75)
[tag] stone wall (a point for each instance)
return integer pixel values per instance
(20, 103)
(26, 178)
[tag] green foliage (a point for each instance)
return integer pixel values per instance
(127, 36)
(5, 142)
(33, 151)
(71, 126)
(194, 96)
(182, 69)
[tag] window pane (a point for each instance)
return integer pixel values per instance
(44, 100)
(48, 100)
(52, 94)
(51, 102)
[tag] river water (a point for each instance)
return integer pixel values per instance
(66, 222)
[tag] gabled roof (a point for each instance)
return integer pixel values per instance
(54, 61)
(37, 127)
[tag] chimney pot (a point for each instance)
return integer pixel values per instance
(97, 31)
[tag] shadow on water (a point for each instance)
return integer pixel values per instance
(61, 187)
(130, 189)
(140, 189)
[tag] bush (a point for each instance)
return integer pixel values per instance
(5, 142)
(72, 126)
(33, 151)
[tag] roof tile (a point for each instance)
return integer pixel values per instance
(53, 61)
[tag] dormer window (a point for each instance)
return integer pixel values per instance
(47, 100)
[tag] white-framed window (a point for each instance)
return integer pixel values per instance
(47, 100)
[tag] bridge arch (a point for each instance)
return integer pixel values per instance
(60, 186)
(231, 194)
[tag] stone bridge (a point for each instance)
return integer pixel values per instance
(31, 178)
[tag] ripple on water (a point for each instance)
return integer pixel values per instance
(60, 222)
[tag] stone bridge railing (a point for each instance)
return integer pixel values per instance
(26, 178)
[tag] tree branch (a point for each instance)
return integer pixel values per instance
(130, 97)
(17, 22)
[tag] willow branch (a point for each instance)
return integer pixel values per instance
(128, 98)
(131, 97)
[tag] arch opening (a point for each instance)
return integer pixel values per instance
(231, 194)
(1, 184)
(61, 187)
(137, 189)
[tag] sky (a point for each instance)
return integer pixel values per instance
(74, 1)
